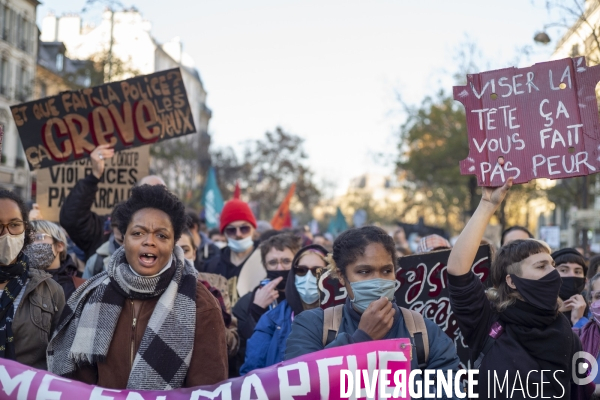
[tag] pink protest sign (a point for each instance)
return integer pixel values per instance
(312, 376)
(542, 120)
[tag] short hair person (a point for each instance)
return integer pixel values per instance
(365, 262)
(135, 343)
(277, 254)
(49, 252)
(516, 328)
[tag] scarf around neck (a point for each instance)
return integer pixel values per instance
(84, 334)
(546, 336)
(16, 274)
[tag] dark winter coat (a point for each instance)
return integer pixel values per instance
(87, 229)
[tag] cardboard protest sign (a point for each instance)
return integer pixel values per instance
(541, 120)
(423, 288)
(121, 173)
(312, 376)
(137, 111)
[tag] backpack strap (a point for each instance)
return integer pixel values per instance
(98, 264)
(415, 323)
(332, 318)
(495, 331)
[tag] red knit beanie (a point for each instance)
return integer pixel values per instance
(236, 210)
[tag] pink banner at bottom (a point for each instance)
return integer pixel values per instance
(313, 376)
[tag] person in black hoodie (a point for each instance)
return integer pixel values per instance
(48, 253)
(87, 229)
(516, 332)
(277, 254)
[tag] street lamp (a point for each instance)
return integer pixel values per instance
(541, 37)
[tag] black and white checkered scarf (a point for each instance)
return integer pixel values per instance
(84, 334)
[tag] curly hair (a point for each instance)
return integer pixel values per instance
(29, 232)
(351, 244)
(508, 261)
(157, 197)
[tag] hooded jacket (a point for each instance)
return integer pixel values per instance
(94, 266)
(268, 342)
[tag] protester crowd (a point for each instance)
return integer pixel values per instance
(148, 298)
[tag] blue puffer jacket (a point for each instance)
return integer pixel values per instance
(266, 347)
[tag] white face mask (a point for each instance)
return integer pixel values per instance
(220, 244)
(239, 246)
(307, 287)
(10, 246)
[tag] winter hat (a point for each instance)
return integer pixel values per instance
(236, 210)
(432, 242)
(569, 255)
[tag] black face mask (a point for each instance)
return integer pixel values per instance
(541, 293)
(571, 286)
(276, 274)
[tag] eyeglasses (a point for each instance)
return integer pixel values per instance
(301, 271)
(286, 262)
(232, 230)
(40, 237)
(13, 227)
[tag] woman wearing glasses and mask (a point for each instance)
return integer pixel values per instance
(30, 301)
(266, 347)
(277, 254)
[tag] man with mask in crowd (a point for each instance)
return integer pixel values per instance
(87, 229)
(99, 260)
(238, 223)
(572, 268)
(277, 254)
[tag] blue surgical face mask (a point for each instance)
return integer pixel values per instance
(366, 292)
(240, 246)
(307, 288)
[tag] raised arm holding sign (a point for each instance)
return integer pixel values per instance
(542, 121)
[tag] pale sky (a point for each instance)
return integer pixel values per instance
(328, 70)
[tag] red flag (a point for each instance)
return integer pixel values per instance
(283, 218)
(237, 192)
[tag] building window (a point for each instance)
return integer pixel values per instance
(43, 90)
(4, 77)
(20, 42)
(6, 23)
(60, 61)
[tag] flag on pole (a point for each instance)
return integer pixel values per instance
(237, 192)
(282, 218)
(337, 224)
(212, 200)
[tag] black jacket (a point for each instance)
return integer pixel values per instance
(85, 227)
(221, 263)
(475, 316)
(64, 276)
